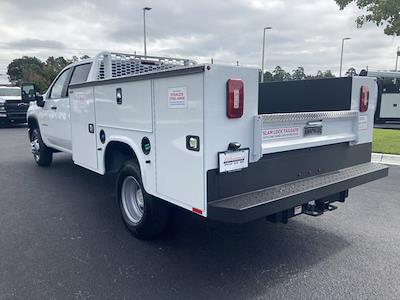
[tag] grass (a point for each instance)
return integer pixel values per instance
(386, 141)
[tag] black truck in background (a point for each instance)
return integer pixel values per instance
(12, 108)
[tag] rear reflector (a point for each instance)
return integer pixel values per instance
(235, 101)
(364, 98)
(197, 211)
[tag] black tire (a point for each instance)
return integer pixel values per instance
(154, 212)
(43, 155)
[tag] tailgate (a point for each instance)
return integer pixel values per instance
(312, 113)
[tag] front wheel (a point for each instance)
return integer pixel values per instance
(42, 154)
(144, 215)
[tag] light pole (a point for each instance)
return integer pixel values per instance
(263, 54)
(144, 28)
(397, 58)
(341, 56)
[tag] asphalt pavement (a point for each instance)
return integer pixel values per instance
(61, 237)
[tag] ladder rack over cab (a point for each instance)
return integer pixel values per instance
(211, 139)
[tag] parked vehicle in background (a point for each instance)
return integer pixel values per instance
(208, 138)
(388, 104)
(12, 108)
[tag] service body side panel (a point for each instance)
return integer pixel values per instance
(179, 113)
(365, 119)
(219, 130)
(127, 121)
(133, 112)
(83, 120)
(133, 139)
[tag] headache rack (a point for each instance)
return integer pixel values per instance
(113, 65)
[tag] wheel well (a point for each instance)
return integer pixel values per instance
(116, 154)
(32, 124)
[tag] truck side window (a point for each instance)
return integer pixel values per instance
(57, 89)
(80, 73)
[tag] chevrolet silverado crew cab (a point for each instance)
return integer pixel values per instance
(12, 108)
(208, 138)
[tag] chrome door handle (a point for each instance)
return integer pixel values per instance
(53, 107)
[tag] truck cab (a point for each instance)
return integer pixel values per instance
(52, 113)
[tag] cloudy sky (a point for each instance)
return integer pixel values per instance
(305, 32)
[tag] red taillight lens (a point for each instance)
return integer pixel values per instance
(364, 99)
(235, 101)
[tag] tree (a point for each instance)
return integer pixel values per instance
(31, 69)
(328, 74)
(268, 76)
(298, 74)
(351, 72)
(380, 12)
(53, 66)
(320, 75)
(28, 69)
(280, 74)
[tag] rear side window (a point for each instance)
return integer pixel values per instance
(80, 74)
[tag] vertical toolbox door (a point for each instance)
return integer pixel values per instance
(84, 148)
(179, 115)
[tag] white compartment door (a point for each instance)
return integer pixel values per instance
(390, 106)
(178, 114)
(84, 148)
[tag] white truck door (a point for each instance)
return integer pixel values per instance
(178, 116)
(55, 118)
(84, 146)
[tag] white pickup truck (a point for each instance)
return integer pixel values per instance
(208, 138)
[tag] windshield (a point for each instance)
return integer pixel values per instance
(9, 92)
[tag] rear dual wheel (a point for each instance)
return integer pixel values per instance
(144, 215)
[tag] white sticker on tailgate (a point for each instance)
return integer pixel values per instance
(277, 133)
(233, 160)
(363, 123)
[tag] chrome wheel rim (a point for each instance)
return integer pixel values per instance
(132, 199)
(35, 146)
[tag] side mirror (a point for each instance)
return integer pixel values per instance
(28, 94)
(39, 101)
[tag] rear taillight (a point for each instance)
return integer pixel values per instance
(235, 101)
(364, 99)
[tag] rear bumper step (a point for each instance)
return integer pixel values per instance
(254, 205)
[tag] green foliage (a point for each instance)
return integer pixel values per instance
(27, 68)
(320, 75)
(299, 74)
(32, 69)
(280, 74)
(351, 72)
(380, 12)
(386, 141)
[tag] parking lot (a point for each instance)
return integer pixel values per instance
(61, 237)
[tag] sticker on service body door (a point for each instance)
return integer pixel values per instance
(177, 97)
